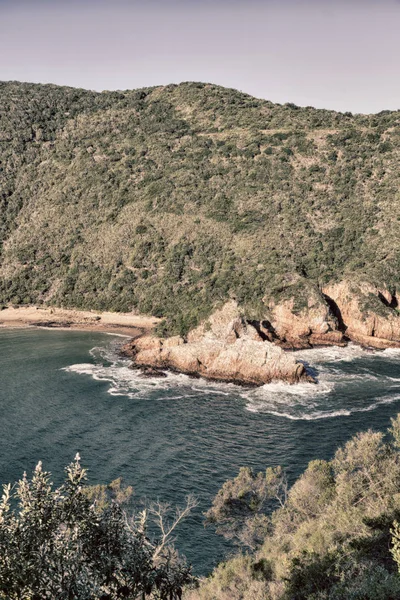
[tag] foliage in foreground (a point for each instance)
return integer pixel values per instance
(333, 536)
(76, 543)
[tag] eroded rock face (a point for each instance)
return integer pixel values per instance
(223, 348)
(226, 324)
(368, 314)
(312, 326)
(342, 312)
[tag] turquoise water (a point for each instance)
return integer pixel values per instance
(67, 391)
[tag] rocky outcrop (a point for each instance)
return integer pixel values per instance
(227, 325)
(340, 313)
(225, 348)
(229, 347)
(369, 315)
(314, 325)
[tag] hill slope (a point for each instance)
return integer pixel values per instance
(172, 200)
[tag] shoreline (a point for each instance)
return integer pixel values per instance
(124, 324)
(235, 361)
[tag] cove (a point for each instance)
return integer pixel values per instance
(68, 391)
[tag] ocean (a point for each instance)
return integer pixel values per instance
(63, 392)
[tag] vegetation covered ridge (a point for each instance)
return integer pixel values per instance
(171, 200)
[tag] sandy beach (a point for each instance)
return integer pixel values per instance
(51, 317)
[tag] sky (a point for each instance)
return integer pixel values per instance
(338, 54)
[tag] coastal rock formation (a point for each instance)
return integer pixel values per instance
(342, 312)
(313, 325)
(224, 348)
(368, 315)
(229, 347)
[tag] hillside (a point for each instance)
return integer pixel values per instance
(172, 200)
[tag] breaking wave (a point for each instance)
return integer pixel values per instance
(322, 414)
(334, 354)
(130, 382)
(350, 380)
(391, 353)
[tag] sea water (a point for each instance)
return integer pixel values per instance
(67, 391)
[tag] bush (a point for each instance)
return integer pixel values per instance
(73, 543)
(334, 536)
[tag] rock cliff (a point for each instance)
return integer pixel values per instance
(225, 348)
(339, 313)
(229, 347)
(368, 315)
(313, 325)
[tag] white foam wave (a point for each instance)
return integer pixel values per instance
(333, 354)
(123, 335)
(130, 383)
(286, 390)
(329, 398)
(217, 392)
(310, 417)
(391, 353)
(317, 415)
(362, 375)
(309, 402)
(124, 381)
(82, 369)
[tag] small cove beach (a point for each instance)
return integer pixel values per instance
(128, 324)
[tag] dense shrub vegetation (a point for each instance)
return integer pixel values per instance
(332, 536)
(77, 543)
(169, 200)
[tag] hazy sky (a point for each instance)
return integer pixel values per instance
(326, 53)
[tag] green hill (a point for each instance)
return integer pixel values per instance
(170, 200)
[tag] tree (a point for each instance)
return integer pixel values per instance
(58, 544)
(239, 509)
